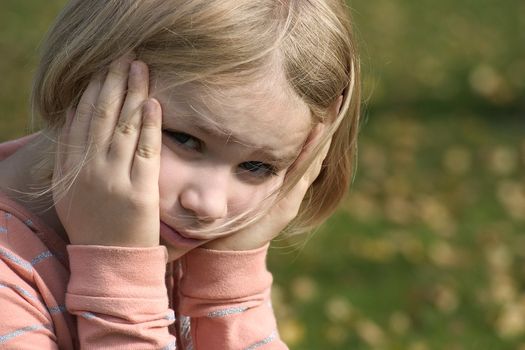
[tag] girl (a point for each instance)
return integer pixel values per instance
(181, 137)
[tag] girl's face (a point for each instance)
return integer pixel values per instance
(223, 152)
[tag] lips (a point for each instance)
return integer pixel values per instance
(174, 238)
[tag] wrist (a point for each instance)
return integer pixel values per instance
(216, 274)
(235, 243)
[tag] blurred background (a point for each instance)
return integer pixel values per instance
(428, 251)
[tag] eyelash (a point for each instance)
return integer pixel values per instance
(182, 139)
(254, 168)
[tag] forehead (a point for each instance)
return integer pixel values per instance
(263, 114)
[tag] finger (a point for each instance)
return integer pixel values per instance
(109, 103)
(317, 164)
(306, 153)
(76, 137)
(63, 150)
(127, 130)
(61, 145)
(310, 164)
(146, 161)
(64, 132)
(288, 206)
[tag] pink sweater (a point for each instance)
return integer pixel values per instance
(59, 296)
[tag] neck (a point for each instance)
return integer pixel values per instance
(27, 174)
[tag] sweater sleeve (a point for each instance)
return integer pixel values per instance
(119, 297)
(225, 297)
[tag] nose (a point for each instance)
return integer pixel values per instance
(206, 199)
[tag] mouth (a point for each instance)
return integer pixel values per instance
(175, 238)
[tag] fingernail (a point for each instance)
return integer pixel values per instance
(135, 68)
(150, 107)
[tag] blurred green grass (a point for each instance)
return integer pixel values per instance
(426, 253)
(428, 250)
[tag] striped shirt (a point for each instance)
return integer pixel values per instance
(59, 296)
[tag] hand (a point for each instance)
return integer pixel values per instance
(285, 210)
(105, 183)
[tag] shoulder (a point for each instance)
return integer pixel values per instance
(32, 283)
(24, 294)
(22, 252)
(9, 147)
(18, 242)
(19, 253)
(25, 234)
(31, 275)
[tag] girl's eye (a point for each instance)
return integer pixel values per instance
(185, 140)
(258, 169)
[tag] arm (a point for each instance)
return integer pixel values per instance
(116, 307)
(109, 209)
(225, 288)
(119, 297)
(226, 294)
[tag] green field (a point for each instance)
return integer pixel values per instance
(428, 251)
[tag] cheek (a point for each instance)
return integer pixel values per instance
(250, 196)
(171, 169)
(177, 173)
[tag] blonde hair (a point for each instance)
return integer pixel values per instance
(218, 43)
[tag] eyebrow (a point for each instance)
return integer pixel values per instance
(218, 131)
